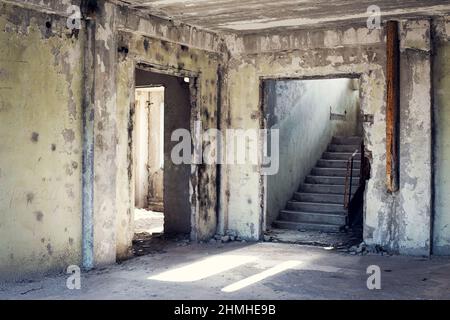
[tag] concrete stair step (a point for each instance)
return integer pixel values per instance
(343, 148)
(340, 155)
(333, 172)
(355, 140)
(319, 197)
(306, 226)
(316, 207)
(329, 180)
(313, 217)
(323, 188)
(319, 203)
(325, 163)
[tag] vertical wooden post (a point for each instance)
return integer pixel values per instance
(392, 107)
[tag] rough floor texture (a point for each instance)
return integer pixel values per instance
(338, 240)
(207, 271)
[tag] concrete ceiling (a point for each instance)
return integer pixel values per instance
(256, 15)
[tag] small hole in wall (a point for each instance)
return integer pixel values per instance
(48, 24)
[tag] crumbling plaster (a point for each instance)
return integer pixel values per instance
(175, 59)
(262, 15)
(441, 83)
(85, 68)
(400, 221)
(108, 47)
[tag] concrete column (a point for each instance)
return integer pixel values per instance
(88, 149)
(100, 140)
(441, 84)
(412, 218)
(105, 137)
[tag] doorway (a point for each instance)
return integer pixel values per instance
(149, 159)
(161, 188)
(313, 197)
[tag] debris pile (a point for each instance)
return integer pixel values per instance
(229, 236)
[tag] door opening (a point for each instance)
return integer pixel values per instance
(161, 187)
(317, 193)
(149, 159)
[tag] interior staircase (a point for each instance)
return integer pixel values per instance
(319, 202)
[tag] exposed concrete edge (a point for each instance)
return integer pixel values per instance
(88, 150)
(59, 9)
(343, 37)
(131, 20)
(353, 34)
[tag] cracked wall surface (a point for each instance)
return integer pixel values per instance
(177, 59)
(40, 149)
(441, 81)
(48, 72)
(401, 222)
(296, 55)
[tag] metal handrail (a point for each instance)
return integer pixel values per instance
(349, 174)
(348, 187)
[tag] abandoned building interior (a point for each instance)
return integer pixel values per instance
(89, 105)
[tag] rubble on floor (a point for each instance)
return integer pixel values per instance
(348, 241)
(145, 243)
(342, 241)
(229, 236)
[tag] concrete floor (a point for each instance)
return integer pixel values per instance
(180, 270)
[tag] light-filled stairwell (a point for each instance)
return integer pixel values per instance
(319, 202)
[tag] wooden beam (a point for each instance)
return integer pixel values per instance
(392, 107)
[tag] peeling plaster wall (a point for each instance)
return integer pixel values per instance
(137, 22)
(411, 226)
(42, 87)
(40, 145)
(173, 58)
(400, 221)
(441, 80)
(305, 54)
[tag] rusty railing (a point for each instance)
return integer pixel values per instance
(349, 175)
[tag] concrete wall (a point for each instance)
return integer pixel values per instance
(295, 55)
(177, 50)
(300, 109)
(407, 224)
(400, 221)
(441, 80)
(40, 146)
(47, 73)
